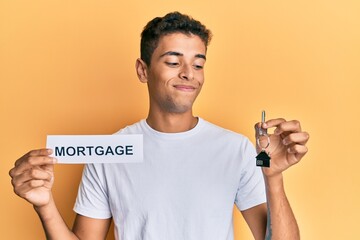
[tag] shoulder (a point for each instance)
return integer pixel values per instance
(226, 138)
(135, 128)
(219, 131)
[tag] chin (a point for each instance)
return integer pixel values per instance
(179, 108)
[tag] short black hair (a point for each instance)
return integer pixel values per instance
(171, 23)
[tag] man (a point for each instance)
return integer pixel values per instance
(193, 171)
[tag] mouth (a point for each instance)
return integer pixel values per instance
(184, 88)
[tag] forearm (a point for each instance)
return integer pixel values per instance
(53, 224)
(282, 224)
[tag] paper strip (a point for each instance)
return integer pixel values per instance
(96, 148)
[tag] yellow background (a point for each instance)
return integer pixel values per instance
(67, 67)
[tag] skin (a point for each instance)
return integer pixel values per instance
(174, 78)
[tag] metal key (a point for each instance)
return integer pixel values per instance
(263, 158)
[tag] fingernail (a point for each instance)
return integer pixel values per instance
(55, 160)
(284, 142)
(264, 125)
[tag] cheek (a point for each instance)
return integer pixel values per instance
(168, 78)
(200, 78)
(163, 76)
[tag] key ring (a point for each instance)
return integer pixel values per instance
(263, 132)
(263, 158)
(258, 141)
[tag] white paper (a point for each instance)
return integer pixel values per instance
(96, 148)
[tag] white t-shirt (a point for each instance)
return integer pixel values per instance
(185, 188)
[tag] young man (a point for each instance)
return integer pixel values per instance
(193, 171)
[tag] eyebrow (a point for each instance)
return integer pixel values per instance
(172, 53)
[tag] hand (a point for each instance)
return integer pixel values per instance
(287, 144)
(33, 176)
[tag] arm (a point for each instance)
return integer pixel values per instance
(83, 228)
(99, 227)
(255, 217)
(32, 179)
(274, 220)
(287, 147)
(53, 224)
(281, 221)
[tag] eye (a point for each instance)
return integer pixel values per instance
(196, 66)
(172, 64)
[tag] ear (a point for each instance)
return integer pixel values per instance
(141, 70)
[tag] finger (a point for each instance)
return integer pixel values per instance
(34, 153)
(32, 174)
(49, 168)
(257, 128)
(289, 126)
(28, 186)
(41, 152)
(273, 123)
(297, 138)
(30, 163)
(298, 150)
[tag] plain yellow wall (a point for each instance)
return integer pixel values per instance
(67, 67)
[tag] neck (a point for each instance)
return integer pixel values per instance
(172, 122)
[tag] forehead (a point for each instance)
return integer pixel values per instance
(178, 42)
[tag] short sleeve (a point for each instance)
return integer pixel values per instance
(92, 199)
(251, 190)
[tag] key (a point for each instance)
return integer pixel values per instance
(263, 158)
(262, 131)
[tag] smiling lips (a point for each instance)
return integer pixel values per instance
(185, 88)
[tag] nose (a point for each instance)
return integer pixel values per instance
(186, 73)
